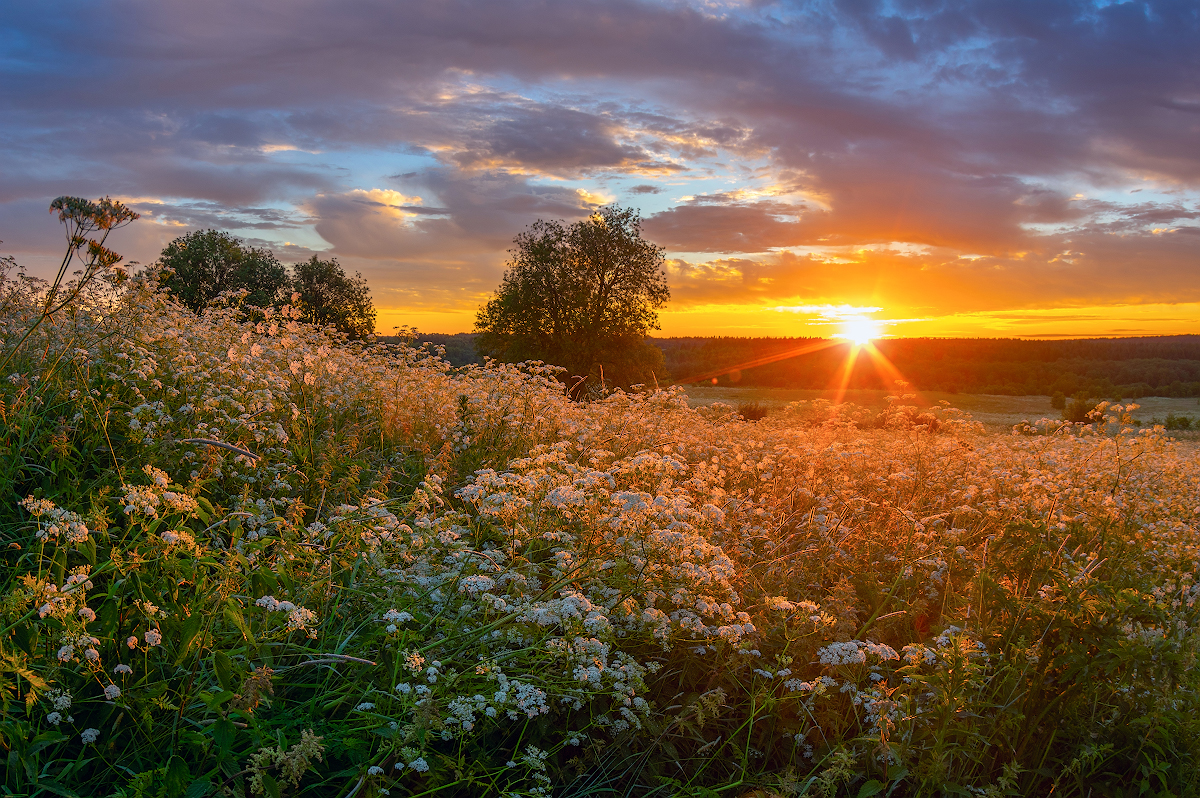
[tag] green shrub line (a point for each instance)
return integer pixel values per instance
(246, 556)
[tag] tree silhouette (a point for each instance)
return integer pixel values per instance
(582, 296)
(328, 296)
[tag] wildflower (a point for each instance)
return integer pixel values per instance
(365, 706)
(66, 653)
(54, 718)
(87, 614)
(60, 698)
(419, 764)
(111, 692)
(299, 619)
(89, 736)
(374, 770)
(123, 668)
(131, 641)
(153, 637)
(397, 616)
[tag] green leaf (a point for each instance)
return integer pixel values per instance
(44, 740)
(233, 614)
(270, 786)
(24, 638)
(51, 786)
(214, 700)
(191, 627)
(872, 787)
(897, 780)
(205, 509)
(223, 667)
(88, 549)
(223, 735)
(198, 788)
(178, 777)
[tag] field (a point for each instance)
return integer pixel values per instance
(245, 557)
(996, 413)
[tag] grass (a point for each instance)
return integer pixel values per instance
(246, 557)
(994, 411)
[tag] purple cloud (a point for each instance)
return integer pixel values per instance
(1007, 132)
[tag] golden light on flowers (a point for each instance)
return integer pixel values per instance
(860, 330)
(740, 533)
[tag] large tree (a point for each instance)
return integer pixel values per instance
(206, 263)
(329, 296)
(583, 296)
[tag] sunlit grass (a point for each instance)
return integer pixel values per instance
(261, 560)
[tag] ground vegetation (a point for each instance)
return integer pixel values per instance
(248, 557)
(1112, 368)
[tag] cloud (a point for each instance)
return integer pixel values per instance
(702, 227)
(555, 141)
(856, 132)
(1144, 268)
(452, 253)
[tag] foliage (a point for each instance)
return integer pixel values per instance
(1173, 422)
(200, 266)
(326, 295)
(581, 296)
(1080, 409)
(1113, 368)
(752, 411)
(251, 557)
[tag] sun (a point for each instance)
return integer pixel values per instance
(860, 330)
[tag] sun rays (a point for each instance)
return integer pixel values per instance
(856, 338)
(860, 330)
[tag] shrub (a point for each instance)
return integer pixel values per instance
(1080, 409)
(752, 411)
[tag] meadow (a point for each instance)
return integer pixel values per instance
(243, 556)
(997, 412)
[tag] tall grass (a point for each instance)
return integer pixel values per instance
(243, 556)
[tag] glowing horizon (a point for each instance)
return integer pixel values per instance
(968, 171)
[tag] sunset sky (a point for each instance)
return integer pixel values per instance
(1002, 168)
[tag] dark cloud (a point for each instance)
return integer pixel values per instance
(966, 128)
(555, 140)
(702, 227)
(218, 216)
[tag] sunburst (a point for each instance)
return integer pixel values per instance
(860, 330)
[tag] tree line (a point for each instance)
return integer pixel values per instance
(584, 296)
(1101, 368)
(199, 267)
(1106, 367)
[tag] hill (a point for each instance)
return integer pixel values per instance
(1103, 367)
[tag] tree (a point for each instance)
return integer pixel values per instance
(206, 263)
(328, 296)
(582, 296)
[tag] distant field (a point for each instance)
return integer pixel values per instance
(991, 410)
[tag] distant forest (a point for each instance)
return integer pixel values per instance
(1100, 367)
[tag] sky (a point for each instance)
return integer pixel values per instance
(1003, 168)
